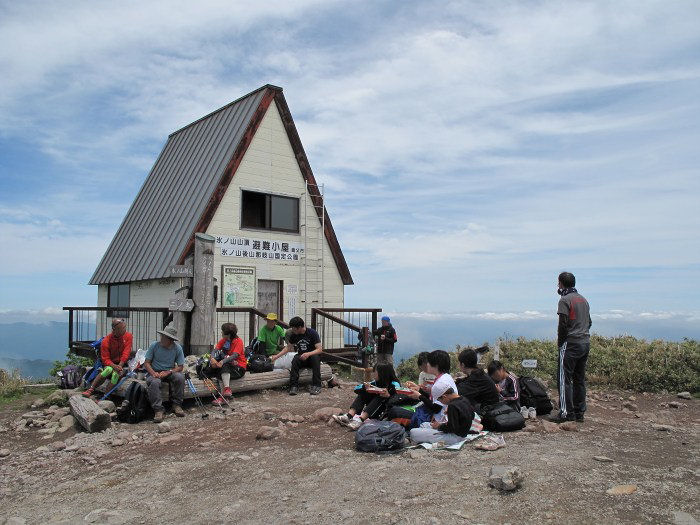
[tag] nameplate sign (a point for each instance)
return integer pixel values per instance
(529, 363)
(178, 304)
(181, 270)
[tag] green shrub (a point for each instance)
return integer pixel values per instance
(624, 362)
(71, 359)
(407, 369)
(11, 385)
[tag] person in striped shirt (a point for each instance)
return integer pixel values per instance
(506, 383)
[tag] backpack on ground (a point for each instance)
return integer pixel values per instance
(71, 376)
(258, 363)
(135, 407)
(534, 394)
(502, 417)
(379, 436)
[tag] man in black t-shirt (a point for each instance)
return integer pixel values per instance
(307, 344)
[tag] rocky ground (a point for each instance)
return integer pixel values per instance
(277, 459)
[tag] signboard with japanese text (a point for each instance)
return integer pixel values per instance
(238, 286)
(247, 248)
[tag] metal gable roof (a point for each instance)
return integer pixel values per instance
(185, 186)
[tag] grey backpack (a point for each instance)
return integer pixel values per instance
(379, 436)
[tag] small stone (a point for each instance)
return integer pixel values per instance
(603, 459)
(674, 404)
(66, 423)
(107, 405)
(549, 426)
(322, 414)
(684, 395)
(417, 453)
(505, 478)
(569, 426)
(268, 432)
(4, 452)
(630, 406)
(15, 520)
(38, 403)
(663, 428)
(292, 424)
(683, 518)
(116, 442)
(163, 427)
(619, 490)
(243, 457)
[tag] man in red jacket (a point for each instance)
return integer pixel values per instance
(115, 350)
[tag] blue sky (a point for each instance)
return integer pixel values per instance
(470, 150)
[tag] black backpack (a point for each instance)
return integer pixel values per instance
(502, 417)
(135, 407)
(534, 394)
(255, 347)
(260, 363)
(379, 436)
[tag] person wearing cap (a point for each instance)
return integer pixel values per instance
(477, 386)
(165, 361)
(386, 335)
(115, 351)
(458, 422)
(271, 335)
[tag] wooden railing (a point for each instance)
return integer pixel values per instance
(248, 320)
(344, 331)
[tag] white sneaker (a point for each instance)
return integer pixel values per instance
(343, 419)
(525, 412)
(355, 423)
(532, 413)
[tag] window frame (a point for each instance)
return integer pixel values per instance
(268, 212)
(112, 310)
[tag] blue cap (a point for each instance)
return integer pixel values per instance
(386, 318)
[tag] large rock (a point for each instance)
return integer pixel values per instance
(549, 426)
(107, 405)
(66, 423)
(322, 414)
(268, 432)
(569, 426)
(505, 478)
(90, 416)
(684, 395)
(59, 397)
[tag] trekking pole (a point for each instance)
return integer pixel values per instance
(197, 399)
(210, 385)
(129, 374)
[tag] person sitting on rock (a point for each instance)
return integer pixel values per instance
(115, 351)
(228, 360)
(371, 398)
(165, 362)
(506, 383)
(457, 425)
(477, 387)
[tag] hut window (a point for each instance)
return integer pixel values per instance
(269, 212)
(118, 295)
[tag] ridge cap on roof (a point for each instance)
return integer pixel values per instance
(239, 99)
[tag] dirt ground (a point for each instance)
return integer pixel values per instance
(215, 470)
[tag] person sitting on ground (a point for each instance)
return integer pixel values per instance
(115, 351)
(425, 378)
(506, 383)
(460, 415)
(439, 365)
(477, 387)
(228, 360)
(271, 335)
(371, 397)
(307, 344)
(165, 362)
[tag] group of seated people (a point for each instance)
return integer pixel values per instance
(438, 408)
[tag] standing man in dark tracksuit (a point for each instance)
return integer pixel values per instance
(573, 341)
(386, 337)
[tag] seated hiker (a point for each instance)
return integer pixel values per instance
(307, 344)
(438, 365)
(457, 425)
(165, 362)
(372, 397)
(506, 383)
(228, 360)
(425, 378)
(477, 387)
(115, 351)
(271, 335)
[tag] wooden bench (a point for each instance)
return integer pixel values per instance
(249, 382)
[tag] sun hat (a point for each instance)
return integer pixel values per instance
(271, 317)
(169, 331)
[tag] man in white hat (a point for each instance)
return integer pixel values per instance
(164, 362)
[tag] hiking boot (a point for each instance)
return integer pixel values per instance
(88, 392)
(342, 419)
(314, 390)
(561, 419)
(219, 401)
(227, 392)
(293, 390)
(159, 416)
(579, 418)
(178, 411)
(355, 423)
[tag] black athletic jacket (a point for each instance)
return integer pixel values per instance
(460, 414)
(387, 345)
(478, 388)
